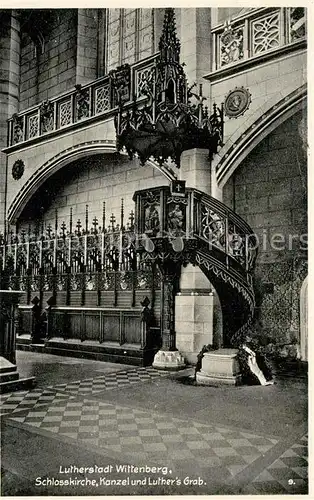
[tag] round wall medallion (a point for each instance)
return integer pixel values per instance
(18, 169)
(237, 102)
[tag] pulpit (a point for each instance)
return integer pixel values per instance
(163, 232)
(9, 376)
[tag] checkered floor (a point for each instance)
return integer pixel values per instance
(28, 399)
(69, 413)
(143, 434)
(287, 474)
(22, 400)
(110, 381)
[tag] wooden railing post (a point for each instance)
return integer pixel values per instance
(146, 320)
(48, 317)
(36, 320)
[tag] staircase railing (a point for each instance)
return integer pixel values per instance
(219, 227)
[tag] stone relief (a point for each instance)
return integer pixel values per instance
(231, 44)
(152, 222)
(18, 169)
(46, 116)
(237, 102)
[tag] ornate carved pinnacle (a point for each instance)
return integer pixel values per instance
(169, 45)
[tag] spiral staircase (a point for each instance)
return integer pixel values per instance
(226, 253)
(195, 227)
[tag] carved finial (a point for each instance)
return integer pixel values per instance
(169, 45)
(56, 220)
(122, 214)
(49, 230)
(86, 219)
(104, 215)
(63, 229)
(131, 218)
(71, 220)
(95, 224)
(78, 226)
(112, 221)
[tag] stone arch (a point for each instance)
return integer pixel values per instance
(59, 161)
(260, 125)
(304, 320)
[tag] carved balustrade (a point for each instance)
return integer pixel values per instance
(219, 228)
(82, 104)
(257, 32)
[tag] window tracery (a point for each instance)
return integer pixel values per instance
(130, 36)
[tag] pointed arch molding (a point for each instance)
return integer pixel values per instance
(232, 156)
(59, 161)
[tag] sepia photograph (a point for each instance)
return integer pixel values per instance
(153, 251)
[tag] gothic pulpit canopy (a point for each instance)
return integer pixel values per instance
(165, 123)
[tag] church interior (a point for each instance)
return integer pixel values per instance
(153, 251)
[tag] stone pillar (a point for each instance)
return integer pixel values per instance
(86, 50)
(196, 305)
(194, 313)
(217, 321)
(195, 169)
(9, 89)
(196, 42)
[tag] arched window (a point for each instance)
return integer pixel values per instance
(170, 92)
(130, 36)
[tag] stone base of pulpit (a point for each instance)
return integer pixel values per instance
(219, 367)
(169, 360)
(10, 380)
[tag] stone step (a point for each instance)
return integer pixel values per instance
(99, 352)
(6, 366)
(17, 385)
(7, 377)
(7, 369)
(23, 340)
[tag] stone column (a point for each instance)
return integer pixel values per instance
(9, 89)
(194, 29)
(196, 305)
(196, 169)
(86, 49)
(194, 313)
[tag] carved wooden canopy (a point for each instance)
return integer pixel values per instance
(162, 122)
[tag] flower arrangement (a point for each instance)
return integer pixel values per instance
(247, 375)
